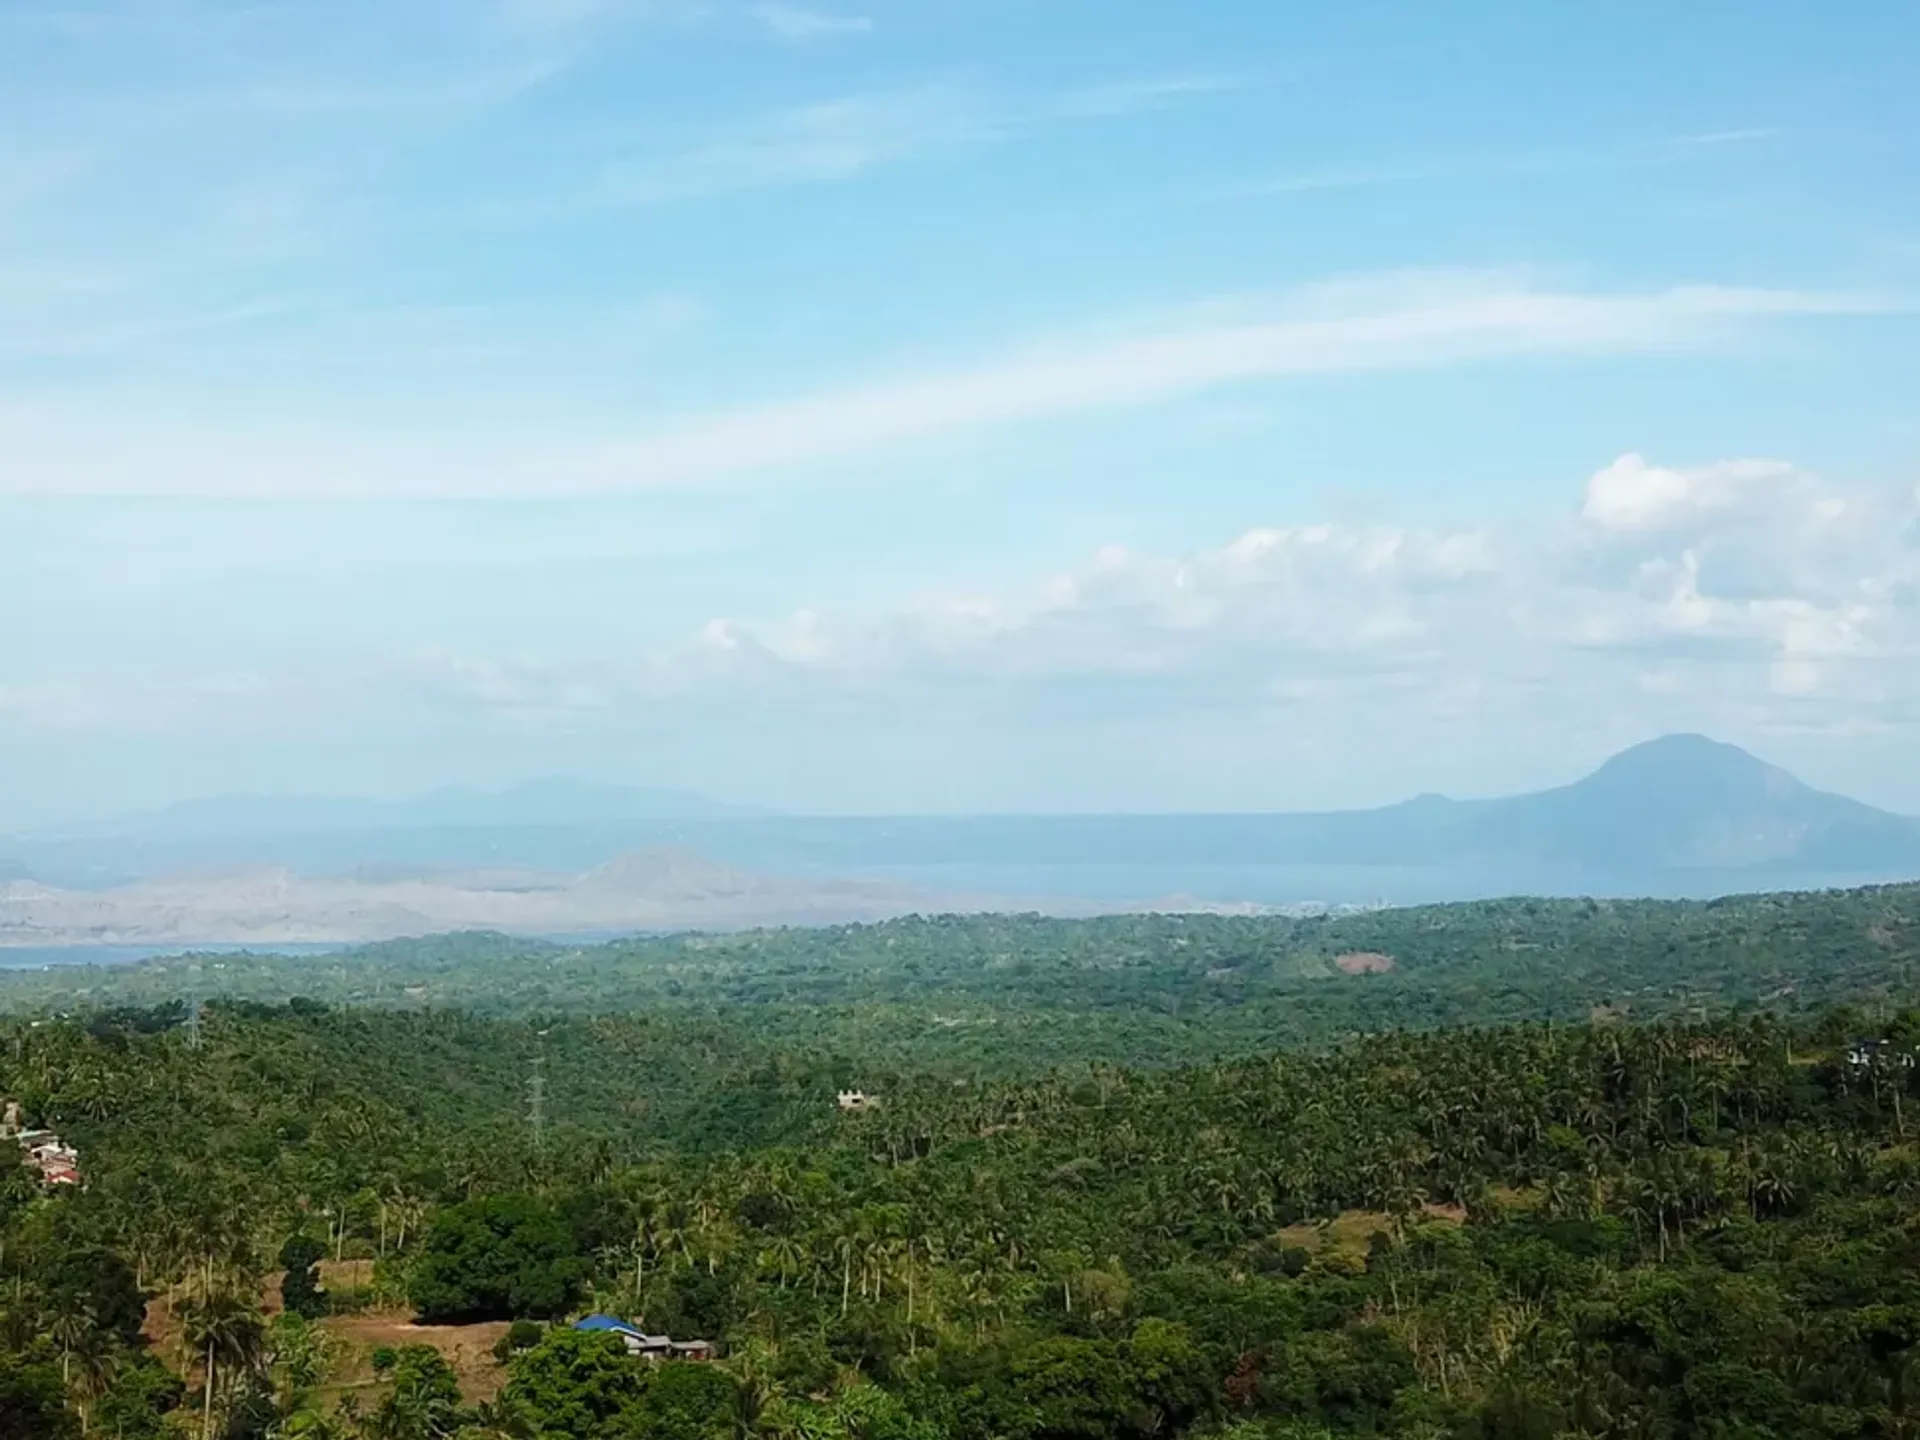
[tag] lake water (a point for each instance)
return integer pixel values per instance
(1069, 886)
(1329, 884)
(39, 957)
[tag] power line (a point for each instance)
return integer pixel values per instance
(193, 1009)
(537, 1095)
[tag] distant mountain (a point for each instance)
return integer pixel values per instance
(1685, 802)
(1682, 815)
(1678, 806)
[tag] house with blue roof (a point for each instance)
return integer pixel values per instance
(642, 1345)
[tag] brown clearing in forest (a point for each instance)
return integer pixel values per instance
(467, 1348)
(1349, 1231)
(1364, 962)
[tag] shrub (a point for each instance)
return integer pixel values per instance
(300, 1289)
(497, 1258)
(521, 1335)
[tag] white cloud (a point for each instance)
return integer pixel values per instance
(1757, 613)
(1496, 165)
(548, 15)
(811, 144)
(1401, 323)
(1789, 608)
(1119, 98)
(797, 23)
(1760, 602)
(1750, 135)
(835, 140)
(1449, 324)
(1631, 495)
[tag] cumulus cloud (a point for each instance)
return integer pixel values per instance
(1752, 580)
(1737, 597)
(1631, 495)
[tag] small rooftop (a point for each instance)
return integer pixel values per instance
(614, 1325)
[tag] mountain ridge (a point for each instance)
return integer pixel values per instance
(1677, 814)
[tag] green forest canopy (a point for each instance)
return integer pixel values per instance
(1139, 1177)
(995, 991)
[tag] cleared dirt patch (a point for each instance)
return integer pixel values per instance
(467, 1348)
(346, 1274)
(1350, 1231)
(1364, 962)
(164, 1333)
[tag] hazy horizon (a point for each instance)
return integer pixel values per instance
(937, 408)
(674, 803)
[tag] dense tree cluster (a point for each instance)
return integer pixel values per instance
(495, 1258)
(1693, 1226)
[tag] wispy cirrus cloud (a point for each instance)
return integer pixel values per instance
(1119, 98)
(851, 135)
(832, 140)
(551, 15)
(289, 150)
(799, 23)
(1402, 323)
(1398, 322)
(27, 176)
(1750, 135)
(174, 65)
(1515, 164)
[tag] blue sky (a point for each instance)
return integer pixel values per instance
(952, 404)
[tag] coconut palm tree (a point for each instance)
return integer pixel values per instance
(225, 1331)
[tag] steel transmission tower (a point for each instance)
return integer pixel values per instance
(537, 1095)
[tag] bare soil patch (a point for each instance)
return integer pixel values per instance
(1364, 962)
(467, 1348)
(346, 1274)
(165, 1335)
(1350, 1231)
